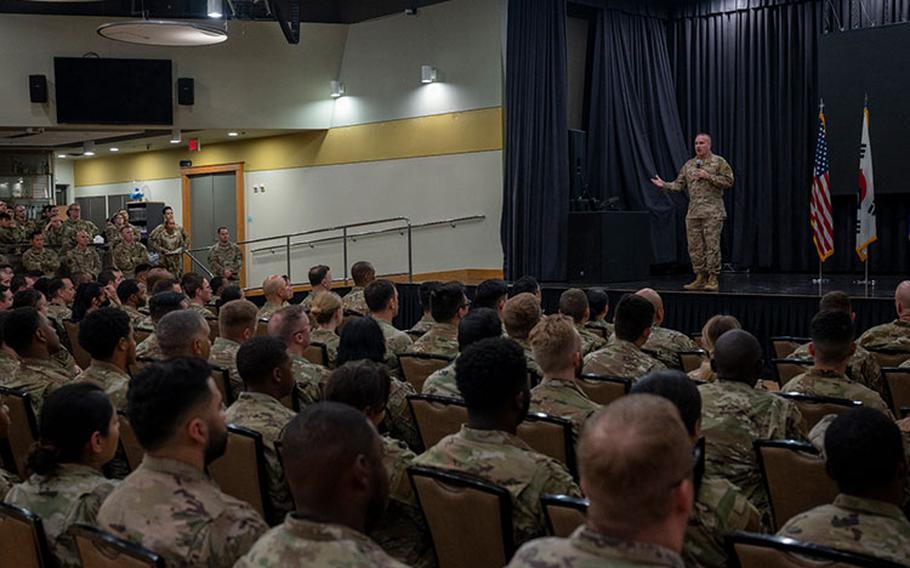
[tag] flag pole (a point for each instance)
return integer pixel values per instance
(821, 278)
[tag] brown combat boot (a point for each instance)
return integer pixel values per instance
(697, 284)
(712, 285)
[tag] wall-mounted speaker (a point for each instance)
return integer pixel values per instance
(37, 88)
(186, 91)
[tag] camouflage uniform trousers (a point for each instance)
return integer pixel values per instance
(703, 236)
(225, 257)
(224, 355)
(111, 378)
(621, 358)
(44, 260)
(564, 399)
(128, 256)
(719, 508)
(39, 378)
(84, 260)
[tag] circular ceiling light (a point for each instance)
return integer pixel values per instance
(166, 33)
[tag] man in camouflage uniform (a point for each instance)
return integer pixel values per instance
(132, 298)
(225, 258)
(636, 444)
(291, 325)
(363, 273)
(381, 297)
(574, 304)
(320, 277)
(449, 305)
(599, 304)
(265, 368)
(488, 447)
(169, 504)
(865, 457)
(623, 357)
(9, 233)
(25, 225)
(706, 176)
(236, 324)
(199, 291)
(893, 336)
(40, 259)
(160, 305)
(277, 292)
(519, 316)
(54, 236)
(665, 343)
(75, 223)
(426, 320)
(480, 323)
(60, 293)
(169, 241)
(129, 253)
(83, 258)
(108, 337)
(325, 447)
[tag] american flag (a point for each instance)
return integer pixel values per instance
(820, 201)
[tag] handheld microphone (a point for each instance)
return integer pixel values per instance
(698, 163)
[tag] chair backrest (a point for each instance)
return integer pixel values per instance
(470, 520)
(691, 360)
(795, 478)
(564, 514)
(603, 389)
(416, 367)
(814, 408)
(262, 327)
(23, 427)
(436, 416)
(751, 550)
(23, 543)
(897, 381)
(550, 436)
(98, 549)
(83, 359)
(222, 380)
(785, 345)
(317, 353)
(890, 357)
(132, 449)
(788, 368)
(242, 472)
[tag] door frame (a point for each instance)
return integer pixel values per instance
(237, 169)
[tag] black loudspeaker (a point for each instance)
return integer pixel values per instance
(186, 91)
(577, 166)
(37, 88)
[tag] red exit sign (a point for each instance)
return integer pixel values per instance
(194, 145)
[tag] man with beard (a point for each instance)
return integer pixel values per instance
(169, 505)
(333, 465)
(132, 299)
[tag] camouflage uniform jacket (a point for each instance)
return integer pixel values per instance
(734, 415)
(175, 510)
(84, 260)
(590, 341)
(204, 312)
(299, 542)
(719, 508)
(54, 238)
(854, 524)
(224, 355)
(139, 320)
(529, 356)
(265, 414)
(9, 366)
(39, 378)
(505, 460)
(59, 313)
(905, 364)
(564, 399)
(268, 310)
(44, 260)
(307, 301)
(399, 421)
(666, 343)
(820, 382)
(442, 383)
(621, 358)
(7, 480)
(396, 343)
(310, 379)
(70, 228)
(601, 324)
(72, 494)
(894, 335)
(225, 257)
(331, 340)
(128, 256)
(423, 325)
(706, 197)
(586, 548)
(863, 367)
(111, 378)
(149, 348)
(167, 246)
(704, 372)
(355, 301)
(441, 339)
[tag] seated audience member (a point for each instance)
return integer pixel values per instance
(491, 294)
(265, 368)
(32, 336)
(38, 258)
(719, 507)
(30, 298)
(109, 280)
(79, 434)
(448, 305)
(599, 304)
(831, 348)
(184, 333)
(320, 277)
(277, 292)
(493, 378)
(132, 299)
(159, 306)
(326, 312)
(217, 284)
(574, 304)
(519, 316)
(333, 465)
(526, 284)
(79, 277)
(865, 457)
(424, 294)
(623, 357)
(83, 258)
(363, 273)
(291, 325)
(863, 367)
(169, 504)
(713, 329)
(129, 253)
(735, 414)
(153, 275)
(481, 323)
(167, 284)
(108, 337)
(229, 294)
(895, 335)
(60, 294)
(199, 291)
(236, 324)
(19, 282)
(6, 274)
(9, 361)
(636, 470)
(402, 532)
(557, 348)
(663, 342)
(89, 296)
(382, 299)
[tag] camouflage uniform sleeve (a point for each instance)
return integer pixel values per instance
(215, 262)
(724, 176)
(399, 420)
(233, 533)
(796, 425)
(680, 183)
(558, 481)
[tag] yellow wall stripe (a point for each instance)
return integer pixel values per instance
(453, 133)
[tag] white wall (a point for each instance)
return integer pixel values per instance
(63, 172)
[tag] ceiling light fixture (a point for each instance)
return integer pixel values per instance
(61, 156)
(88, 148)
(115, 149)
(427, 74)
(215, 9)
(337, 89)
(175, 136)
(165, 33)
(232, 134)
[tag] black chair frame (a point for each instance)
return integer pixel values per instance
(790, 546)
(608, 379)
(129, 548)
(45, 558)
(888, 394)
(790, 445)
(565, 501)
(802, 397)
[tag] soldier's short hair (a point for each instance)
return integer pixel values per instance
(378, 294)
(105, 277)
(101, 330)
(54, 286)
(231, 293)
(236, 316)
(864, 451)
(192, 282)
(361, 338)
(221, 228)
(125, 228)
(162, 395)
(524, 284)
(20, 327)
(258, 357)
(4, 216)
(216, 283)
(676, 387)
(142, 267)
(363, 384)
(489, 373)
(176, 330)
(633, 453)
(553, 341)
(17, 283)
(27, 297)
(155, 274)
(832, 336)
(705, 134)
(283, 323)
(126, 289)
(272, 284)
(520, 314)
(716, 326)
(478, 324)
(426, 292)
(317, 274)
(164, 303)
(835, 301)
(164, 285)
(489, 292)
(598, 301)
(324, 307)
(573, 303)
(632, 317)
(33, 234)
(362, 272)
(446, 300)
(737, 357)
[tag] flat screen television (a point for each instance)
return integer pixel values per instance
(93, 90)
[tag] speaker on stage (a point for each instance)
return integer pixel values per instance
(37, 88)
(186, 91)
(577, 166)
(609, 246)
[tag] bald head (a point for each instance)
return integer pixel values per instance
(737, 357)
(656, 301)
(902, 300)
(273, 288)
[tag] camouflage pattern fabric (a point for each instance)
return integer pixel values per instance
(565, 399)
(84, 260)
(39, 378)
(505, 460)
(441, 339)
(590, 341)
(150, 349)
(666, 343)
(601, 325)
(54, 238)
(9, 366)
(204, 312)
(7, 480)
(9, 235)
(128, 256)
(588, 549)
(719, 508)
(166, 245)
(529, 356)
(224, 355)
(442, 383)
(176, 511)
(59, 313)
(704, 373)
(423, 325)
(894, 335)
(307, 302)
(72, 494)
(821, 382)
(621, 358)
(44, 260)
(396, 343)
(70, 228)
(225, 257)
(398, 420)
(138, 320)
(706, 197)
(354, 301)
(905, 364)
(268, 310)
(111, 378)
(863, 367)
(331, 340)
(112, 233)
(311, 380)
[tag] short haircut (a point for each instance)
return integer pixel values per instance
(525, 284)
(86, 293)
(166, 209)
(717, 326)
(324, 307)
(378, 293)
(142, 267)
(573, 303)
(162, 394)
(236, 316)
(17, 282)
(176, 330)
(489, 292)
(126, 289)
(481, 323)
(863, 450)
(832, 336)
(317, 274)
(192, 282)
(155, 274)
(365, 385)
(219, 229)
(598, 300)
(362, 272)
(489, 373)
(101, 329)
(105, 277)
(54, 287)
(520, 314)
(425, 293)
(20, 327)
(737, 356)
(258, 357)
(164, 285)
(361, 338)
(164, 303)
(231, 293)
(216, 283)
(676, 387)
(446, 300)
(272, 284)
(284, 326)
(553, 341)
(27, 297)
(34, 234)
(632, 317)
(835, 301)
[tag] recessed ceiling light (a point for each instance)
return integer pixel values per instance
(427, 74)
(233, 134)
(61, 156)
(115, 149)
(175, 136)
(215, 9)
(88, 153)
(167, 33)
